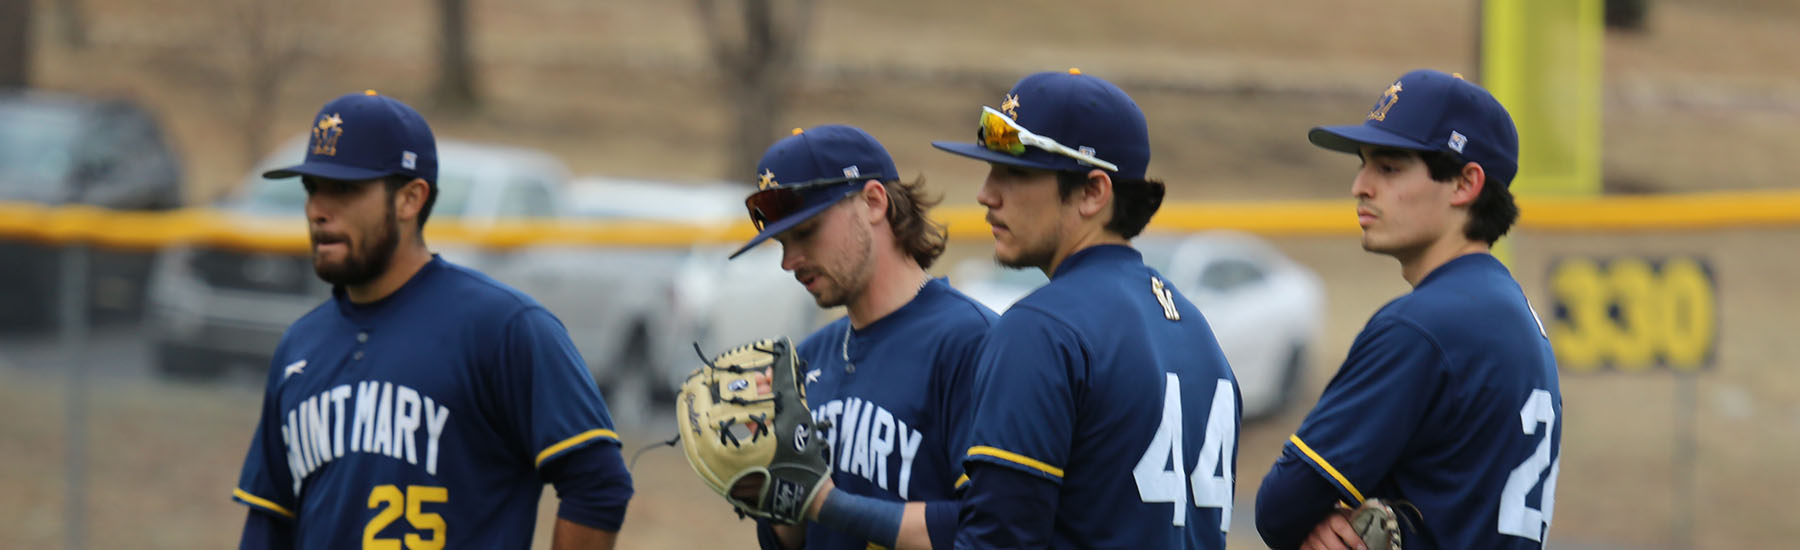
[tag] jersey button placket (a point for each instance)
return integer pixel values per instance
(362, 337)
(849, 366)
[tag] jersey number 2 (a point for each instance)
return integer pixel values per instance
(1517, 518)
(391, 502)
(1158, 473)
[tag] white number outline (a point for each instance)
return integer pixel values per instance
(1517, 518)
(1156, 484)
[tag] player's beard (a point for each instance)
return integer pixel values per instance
(367, 260)
(1034, 254)
(848, 274)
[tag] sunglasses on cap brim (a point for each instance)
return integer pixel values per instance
(1001, 134)
(774, 204)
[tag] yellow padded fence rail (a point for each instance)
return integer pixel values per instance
(150, 230)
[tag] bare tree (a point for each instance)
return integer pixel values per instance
(756, 45)
(71, 23)
(1627, 15)
(455, 88)
(15, 43)
(270, 34)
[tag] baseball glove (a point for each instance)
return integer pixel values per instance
(736, 432)
(1377, 524)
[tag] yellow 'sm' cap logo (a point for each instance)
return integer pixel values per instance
(1010, 106)
(766, 180)
(325, 135)
(1387, 101)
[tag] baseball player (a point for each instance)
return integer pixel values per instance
(424, 405)
(1448, 399)
(1105, 415)
(891, 375)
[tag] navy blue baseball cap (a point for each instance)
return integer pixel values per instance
(1429, 110)
(363, 136)
(1080, 112)
(805, 173)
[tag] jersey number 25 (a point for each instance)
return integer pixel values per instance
(392, 503)
(1158, 473)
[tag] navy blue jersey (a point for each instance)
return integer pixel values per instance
(897, 405)
(1448, 400)
(1109, 383)
(421, 418)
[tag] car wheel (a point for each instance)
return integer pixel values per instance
(186, 363)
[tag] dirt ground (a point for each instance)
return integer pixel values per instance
(1707, 100)
(163, 455)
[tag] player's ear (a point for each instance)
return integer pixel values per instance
(874, 199)
(1095, 195)
(409, 199)
(1468, 185)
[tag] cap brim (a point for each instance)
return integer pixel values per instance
(1351, 138)
(977, 152)
(325, 170)
(771, 230)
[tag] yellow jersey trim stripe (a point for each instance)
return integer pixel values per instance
(961, 481)
(1326, 465)
(573, 441)
(260, 502)
(1016, 458)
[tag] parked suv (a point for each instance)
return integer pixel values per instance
(634, 312)
(212, 308)
(65, 150)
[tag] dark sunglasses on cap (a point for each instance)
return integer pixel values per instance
(774, 204)
(1000, 133)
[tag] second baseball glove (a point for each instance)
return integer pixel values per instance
(736, 432)
(1378, 525)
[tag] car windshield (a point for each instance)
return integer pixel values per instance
(36, 150)
(287, 196)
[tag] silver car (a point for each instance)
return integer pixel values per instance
(704, 300)
(210, 309)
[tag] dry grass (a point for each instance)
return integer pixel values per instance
(624, 87)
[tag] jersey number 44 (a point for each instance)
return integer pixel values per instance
(1159, 472)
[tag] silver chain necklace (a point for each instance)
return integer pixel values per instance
(845, 349)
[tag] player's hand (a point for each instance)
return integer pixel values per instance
(819, 501)
(791, 537)
(1334, 533)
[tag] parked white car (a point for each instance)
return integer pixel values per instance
(1266, 310)
(213, 308)
(708, 300)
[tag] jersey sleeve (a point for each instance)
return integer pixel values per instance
(959, 355)
(266, 483)
(1372, 408)
(1023, 413)
(555, 404)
